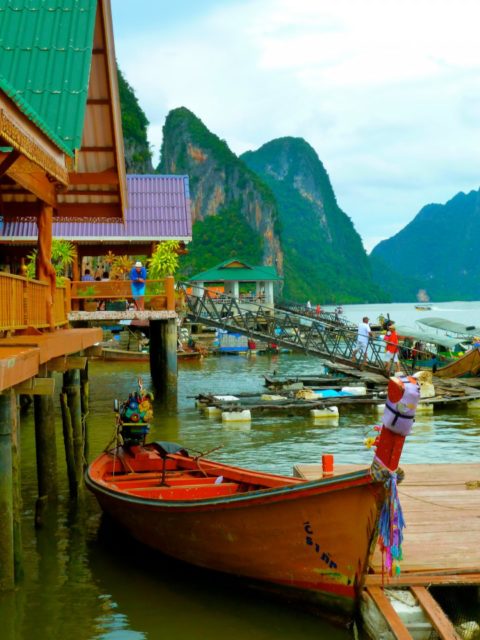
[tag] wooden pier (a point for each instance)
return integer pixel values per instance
(441, 505)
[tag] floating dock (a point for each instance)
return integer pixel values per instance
(441, 506)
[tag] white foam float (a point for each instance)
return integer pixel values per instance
(237, 416)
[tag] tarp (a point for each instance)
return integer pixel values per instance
(427, 336)
(449, 325)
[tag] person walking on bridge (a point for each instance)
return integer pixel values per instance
(363, 336)
(391, 348)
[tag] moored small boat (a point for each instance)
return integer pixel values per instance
(310, 541)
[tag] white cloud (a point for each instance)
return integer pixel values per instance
(386, 92)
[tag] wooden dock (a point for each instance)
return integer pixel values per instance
(441, 505)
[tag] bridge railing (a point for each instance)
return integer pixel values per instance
(23, 303)
(310, 335)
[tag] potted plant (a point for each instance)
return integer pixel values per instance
(89, 304)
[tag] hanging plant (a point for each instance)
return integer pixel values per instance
(164, 260)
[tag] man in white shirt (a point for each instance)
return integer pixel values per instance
(363, 336)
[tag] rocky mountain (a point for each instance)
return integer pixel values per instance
(325, 260)
(234, 213)
(437, 249)
(138, 157)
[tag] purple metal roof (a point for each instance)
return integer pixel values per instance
(158, 209)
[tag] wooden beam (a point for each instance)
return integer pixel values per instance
(30, 177)
(87, 210)
(65, 363)
(435, 613)
(100, 177)
(8, 160)
(92, 149)
(424, 579)
(392, 618)
(101, 101)
(36, 387)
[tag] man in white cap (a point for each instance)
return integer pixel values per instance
(138, 276)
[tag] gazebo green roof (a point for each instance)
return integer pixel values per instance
(46, 54)
(236, 270)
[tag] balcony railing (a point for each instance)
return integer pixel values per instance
(23, 303)
(100, 294)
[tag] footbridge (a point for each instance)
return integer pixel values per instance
(333, 342)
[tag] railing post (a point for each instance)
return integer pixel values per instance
(68, 297)
(170, 291)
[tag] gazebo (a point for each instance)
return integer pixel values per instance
(232, 273)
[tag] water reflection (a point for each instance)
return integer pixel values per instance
(155, 597)
(78, 587)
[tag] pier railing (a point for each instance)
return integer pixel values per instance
(23, 303)
(328, 341)
(116, 294)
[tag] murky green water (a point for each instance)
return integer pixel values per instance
(84, 581)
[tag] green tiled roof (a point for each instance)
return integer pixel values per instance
(246, 273)
(45, 59)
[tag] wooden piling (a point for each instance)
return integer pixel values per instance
(7, 570)
(45, 448)
(85, 407)
(68, 443)
(71, 387)
(16, 490)
(163, 354)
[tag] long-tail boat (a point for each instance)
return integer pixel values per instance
(311, 541)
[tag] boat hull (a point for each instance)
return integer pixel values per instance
(467, 365)
(310, 541)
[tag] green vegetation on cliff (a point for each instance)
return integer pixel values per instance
(218, 238)
(438, 249)
(138, 157)
(324, 257)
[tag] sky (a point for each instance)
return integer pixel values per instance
(387, 92)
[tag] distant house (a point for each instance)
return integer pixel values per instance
(232, 274)
(158, 209)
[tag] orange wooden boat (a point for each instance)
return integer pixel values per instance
(311, 541)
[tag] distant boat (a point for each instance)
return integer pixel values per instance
(110, 353)
(423, 300)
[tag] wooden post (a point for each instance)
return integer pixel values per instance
(71, 386)
(85, 405)
(170, 292)
(45, 270)
(17, 490)
(163, 354)
(46, 451)
(76, 274)
(7, 570)
(68, 443)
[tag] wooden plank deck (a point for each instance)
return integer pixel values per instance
(21, 356)
(441, 505)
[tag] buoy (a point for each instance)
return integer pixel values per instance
(327, 412)
(226, 398)
(380, 408)
(212, 411)
(237, 416)
(355, 391)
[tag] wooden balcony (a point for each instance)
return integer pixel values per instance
(100, 295)
(23, 303)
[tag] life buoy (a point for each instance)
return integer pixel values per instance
(403, 394)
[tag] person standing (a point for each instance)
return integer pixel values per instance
(391, 348)
(138, 276)
(363, 335)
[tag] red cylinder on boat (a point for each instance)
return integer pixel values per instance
(327, 464)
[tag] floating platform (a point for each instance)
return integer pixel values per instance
(441, 506)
